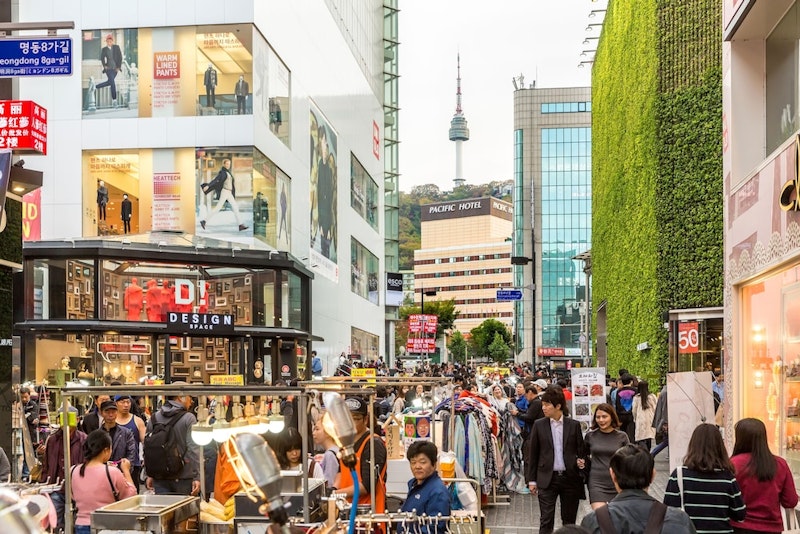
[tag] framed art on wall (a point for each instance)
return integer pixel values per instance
(211, 366)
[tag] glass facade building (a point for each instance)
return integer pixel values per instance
(552, 220)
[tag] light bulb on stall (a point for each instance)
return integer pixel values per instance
(221, 431)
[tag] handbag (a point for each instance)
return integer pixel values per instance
(790, 522)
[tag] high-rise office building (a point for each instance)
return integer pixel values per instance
(552, 219)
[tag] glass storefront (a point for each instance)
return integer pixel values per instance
(769, 337)
(114, 318)
(695, 340)
(239, 193)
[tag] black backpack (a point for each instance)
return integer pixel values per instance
(163, 458)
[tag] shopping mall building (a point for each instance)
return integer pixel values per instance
(760, 146)
(247, 138)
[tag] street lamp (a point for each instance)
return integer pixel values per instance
(586, 258)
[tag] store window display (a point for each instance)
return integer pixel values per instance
(770, 341)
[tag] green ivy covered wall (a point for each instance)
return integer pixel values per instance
(657, 172)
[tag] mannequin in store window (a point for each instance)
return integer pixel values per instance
(210, 82)
(241, 91)
(102, 200)
(153, 301)
(167, 299)
(134, 300)
(127, 213)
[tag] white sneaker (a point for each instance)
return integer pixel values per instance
(114, 103)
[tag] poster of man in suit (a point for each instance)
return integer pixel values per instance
(110, 74)
(324, 214)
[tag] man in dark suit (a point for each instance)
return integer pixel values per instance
(111, 59)
(241, 91)
(127, 213)
(555, 447)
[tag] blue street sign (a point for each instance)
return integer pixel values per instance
(35, 56)
(507, 295)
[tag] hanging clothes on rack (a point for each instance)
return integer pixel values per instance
(474, 445)
(509, 443)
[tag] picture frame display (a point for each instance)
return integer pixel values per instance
(221, 365)
(183, 371)
(209, 353)
(211, 366)
(177, 357)
(194, 357)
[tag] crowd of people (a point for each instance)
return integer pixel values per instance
(612, 464)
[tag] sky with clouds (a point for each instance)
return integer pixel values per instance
(540, 39)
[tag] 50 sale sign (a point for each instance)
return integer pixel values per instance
(688, 338)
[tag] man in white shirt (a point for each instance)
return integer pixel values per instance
(555, 450)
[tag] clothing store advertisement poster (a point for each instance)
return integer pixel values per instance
(588, 391)
(167, 201)
(364, 267)
(109, 73)
(271, 202)
(691, 402)
(32, 216)
(324, 214)
(224, 194)
(166, 80)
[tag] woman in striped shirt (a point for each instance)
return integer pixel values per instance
(710, 493)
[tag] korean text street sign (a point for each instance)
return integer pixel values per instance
(35, 56)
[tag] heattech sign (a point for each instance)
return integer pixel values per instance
(470, 207)
(211, 323)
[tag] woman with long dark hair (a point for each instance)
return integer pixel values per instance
(602, 441)
(704, 487)
(290, 454)
(643, 409)
(95, 483)
(765, 479)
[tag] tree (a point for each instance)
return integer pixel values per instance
(498, 349)
(483, 335)
(458, 347)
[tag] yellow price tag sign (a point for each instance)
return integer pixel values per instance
(364, 372)
(227, 380)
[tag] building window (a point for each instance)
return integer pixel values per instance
(782, 75)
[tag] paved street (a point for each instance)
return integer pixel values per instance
(522, 514)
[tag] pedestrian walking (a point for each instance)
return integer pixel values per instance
(602, 441)
(766, 481)
(644, 409)
(705, 487)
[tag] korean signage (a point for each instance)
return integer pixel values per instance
(23, 126)
(550, 351)
(217, 323)
(423, 323)
(364, 372)
(5, 175)
(36, 56)
(421, 345)
(588, 392)
(106, 348)
(227, 380)
(167, 201)
(688, 338)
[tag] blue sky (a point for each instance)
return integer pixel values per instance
(541, 39)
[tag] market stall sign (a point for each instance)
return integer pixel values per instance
(217, 323)
(364, 372)
(227, 380)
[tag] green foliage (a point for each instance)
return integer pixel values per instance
(458, 347)
(498, 349)
(482, 336)
(657, 171)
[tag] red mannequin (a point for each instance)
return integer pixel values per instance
(133, 300)
(167, 297)
(153, 301)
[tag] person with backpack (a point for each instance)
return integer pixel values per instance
(624, 406)
(634, 511)
(171, 459)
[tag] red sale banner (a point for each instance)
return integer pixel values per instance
(32, 216)
(688, 338)
(421, 345)
(423, 323)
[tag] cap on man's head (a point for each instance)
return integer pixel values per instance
(356, 405)
(541, 383)
(122, 397)
(108, 405)
(109, 37)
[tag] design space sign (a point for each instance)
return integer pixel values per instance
(23, 126)
(216, 323)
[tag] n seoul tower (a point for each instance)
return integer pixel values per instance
(459, 132)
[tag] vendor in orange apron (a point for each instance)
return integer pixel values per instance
(344, 482)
